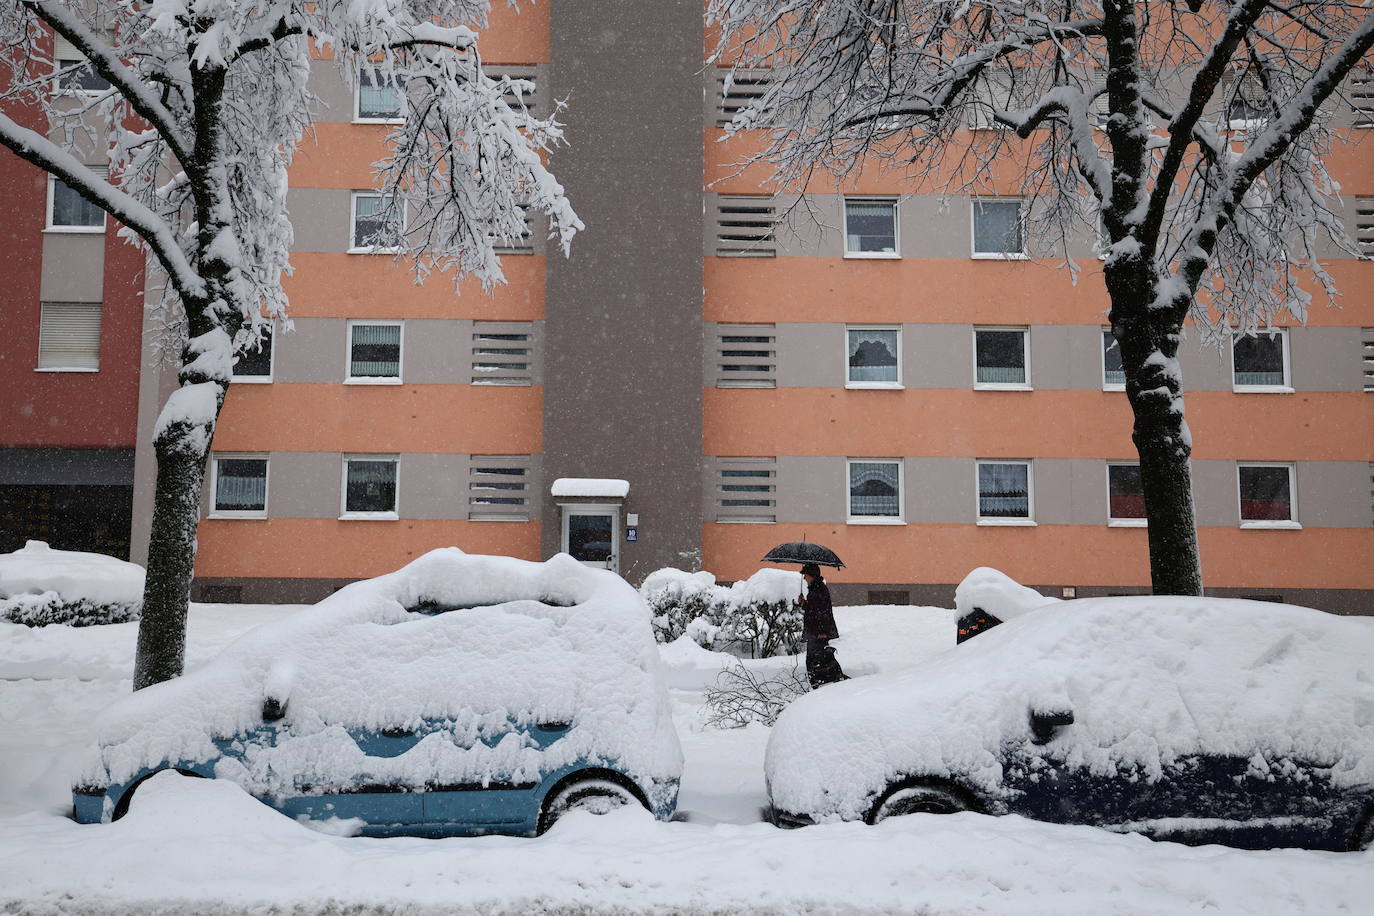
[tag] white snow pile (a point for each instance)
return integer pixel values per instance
(1149, 680)
(39, 586)
(519, 643)
(996, 593)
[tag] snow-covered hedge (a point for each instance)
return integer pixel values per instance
(519, 643)
(756, 614)
(41, 586)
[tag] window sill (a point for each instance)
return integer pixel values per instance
(391, 251)
(250, 379)
(746, 521)
(1000, 256)
(379, 120)
(992, 386)
(1121, 388)
(874, 386)
(498, 518)
(1127, 523)
(875, 521)
(1271, 526)
(1007, 523)
(372, 380)
(369, 517)
(64, 369)
(873, 256)
(73, 230)
(240, 517)
(1263, 389)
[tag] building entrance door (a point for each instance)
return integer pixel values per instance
(591, 534)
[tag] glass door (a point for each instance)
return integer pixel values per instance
(590, 535)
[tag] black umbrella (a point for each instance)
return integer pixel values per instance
(803, 552)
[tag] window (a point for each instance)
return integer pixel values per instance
(1000, 358)
(373, 230)
(1113, 374)
(239, 487)
(369, 487)
(1004, 492)
(69, 337)
(255, 363)
(998, 229)
(1260, 361)
(874, 358)
(1125, 495)
(74, 73)
(374, 352)
(68, 211)
(1266, 496)
(875, 491)
(378, 99)
(870, 228)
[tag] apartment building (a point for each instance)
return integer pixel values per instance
(896, 376)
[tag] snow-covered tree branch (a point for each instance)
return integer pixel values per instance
(1193, 133)
(187, 142)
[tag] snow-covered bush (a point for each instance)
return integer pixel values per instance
(756, 614)
(743, 694)
(40, 586)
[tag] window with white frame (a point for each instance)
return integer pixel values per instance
(1113, 373)
(998, 228)
(68, 211)
(374, 351)
(254, 364)
(374, 230)
(369, 486)
(1260, 361)
(873, 357)
(999, 356)
(1004, 492)
(379, 99)
(870, 228)
(240, 486)
(875, 490)
(75, 75)
(1125, 495)
(69, 337)
(1266, 495)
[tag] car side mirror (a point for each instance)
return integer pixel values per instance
(273, 709)
(1044, 723)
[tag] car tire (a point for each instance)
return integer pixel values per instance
(917, 798)
(599, 796)
(121, 807)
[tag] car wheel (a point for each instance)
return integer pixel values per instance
(906, 798)
(121, 807)
(599, 796)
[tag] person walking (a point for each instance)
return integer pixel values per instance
(818, 627)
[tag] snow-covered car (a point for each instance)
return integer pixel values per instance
(460, 695)
(1190, 719)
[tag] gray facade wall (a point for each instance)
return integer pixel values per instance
(73, 267)
(622, 390)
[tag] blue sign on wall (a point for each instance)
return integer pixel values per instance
(631, 534)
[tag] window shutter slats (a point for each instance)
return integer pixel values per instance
(746, 490)
(503, 353)
(746, 356)
(744, 227)
(69, 335)
(499, 487)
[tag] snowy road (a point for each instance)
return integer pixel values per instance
(192, 846)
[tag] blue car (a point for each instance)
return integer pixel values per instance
(1197, 720)
(461, 695)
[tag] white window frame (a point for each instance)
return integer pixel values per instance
(1102, 357)
(266, 458)
(900, 517)
(1292, 523)
(1112, 520)
(387, 516)
(848, 382)
(896, 253)
(1022, 218)
(349, 377)
(1285, 388)
(50, 226)
(235, 379)
(100, 340)
(353, 247)
(1025, 355)
(1001, 521)
(65, 50)
(358, 98)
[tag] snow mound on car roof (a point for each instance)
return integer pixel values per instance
(520, 642)
(1148, 679)
(996, 593)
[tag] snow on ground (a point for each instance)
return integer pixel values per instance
(203, 846)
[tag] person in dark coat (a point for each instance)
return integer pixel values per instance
(818, 627)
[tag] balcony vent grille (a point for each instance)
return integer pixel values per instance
(739, 91)
(503, 353)
(499, 488)
(746, 490)
(744, 227)
(747, 356)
